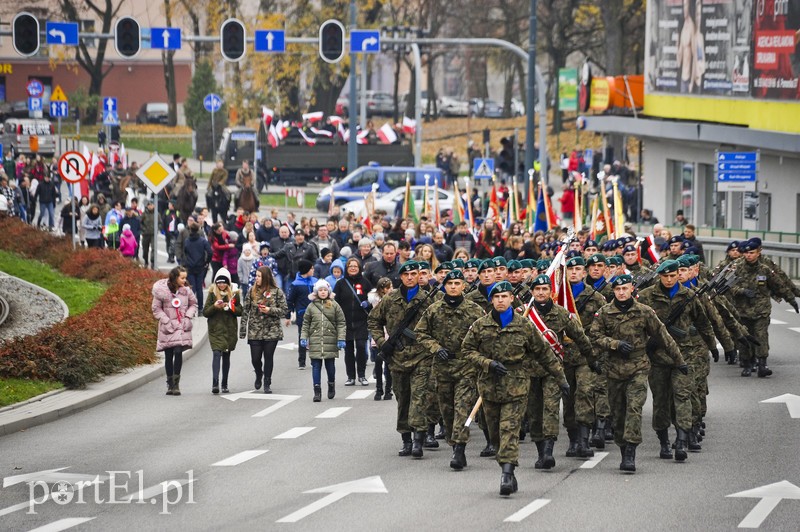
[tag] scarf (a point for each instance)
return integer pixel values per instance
(624, 306)
(503, 318)
(453, 301)
(670, 292)
(577, 288)
(409, 293)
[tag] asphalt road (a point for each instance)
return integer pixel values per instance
(149, 439)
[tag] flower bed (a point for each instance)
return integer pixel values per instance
(119, 332)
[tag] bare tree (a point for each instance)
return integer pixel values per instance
(169, 73)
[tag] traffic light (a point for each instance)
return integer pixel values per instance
(25, 29)
(331, 41)
(127, 37)
(232, 39)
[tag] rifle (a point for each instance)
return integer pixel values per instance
(643, 280)
(473, 286)
(393, 342)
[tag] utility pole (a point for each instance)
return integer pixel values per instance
(531, 97)
(352, 142)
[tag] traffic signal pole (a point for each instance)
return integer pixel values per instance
(352, 142)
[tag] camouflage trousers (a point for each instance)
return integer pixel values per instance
(579, 409)
(672, 398)
(697, 360)
(504, 421)
(601, 408)
(626, 399)
(758, 327)
(544, 407)
(432, 412)
(412, 393)
(456, 399)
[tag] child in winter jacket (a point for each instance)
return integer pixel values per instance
(245, 263)
(127, 242)
(230, 259)
(336, 271)
(323, 334)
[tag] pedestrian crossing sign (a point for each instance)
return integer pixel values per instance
(483, 168)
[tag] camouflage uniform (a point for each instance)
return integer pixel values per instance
(517, 346)
(600, 396)
(480, 296)
(410, 365)
(444, 326)
(627, 376)
(784, 279)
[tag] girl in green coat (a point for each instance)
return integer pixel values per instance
(223, 305)
(323, 334)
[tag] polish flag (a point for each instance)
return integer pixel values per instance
(273, 137)
(387, 134)
(282, 129)
(409, 125)
(322, 132)
(313, 117)
(344, 134)
(267, 115)
(310, 141)
(123, 155)
(361, 137)
(336, 120)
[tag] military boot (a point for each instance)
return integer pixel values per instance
(628, 458)
(663, 439)
(698, 432)
(416, 448)
(548, 461)
(524, 428)
(763, 369)
(170, 385)
(176, 387)
(540, 461)
(584, 451)
(608, 434)
(317, 393)
(489, 450)
(440, 435)
(331, 390)
(732, 358)
(746, 369)
(430, 438)
(599, 437)
(406, 449)
(508, 482)
(694, 445)
(572, 450)
(459, 459)
(680, 446)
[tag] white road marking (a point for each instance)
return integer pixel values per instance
(336, 492)
(795, 329)
(773, 321)
(291, 346)
(333, 412)
(589, 464)
(526, 511)
(360, 394)
(24, 505)
(283, 400)
(158, 489)
(239, 458)
(62, 524)
(294, 433)
(789, 310)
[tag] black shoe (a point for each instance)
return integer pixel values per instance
(584, 451)
(416, 448)
(599, 439)
(663, 439)
(258, 381)
(215, 387)
(508, 484)
(572, 450)
(539, 464)
(267, 389)
(628, 458)
(331, 390)
(746, 370)
(548, 461)
(387, 396)
(459, 459)
(763, 369)
(378, 394)
(694, 445)
(608, 433)
(430, 439)
(406, 449)
(317, 393)
(440, 435)
(680, 446)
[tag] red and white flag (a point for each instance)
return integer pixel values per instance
(322, 132)
(273, 137)
(343, 133)
(267, 115)
(409, 125)
(361, 137)
(386, 134)
(123, 155)
(282, 129)
(310, 141)
(313, 117)
(336, 120)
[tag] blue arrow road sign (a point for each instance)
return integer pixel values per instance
(65, 33)
(59, 109)
(483, 168)
(739, 157)
(270, 41)
(212, 102)
(365, 41)
(165, 38)
(736, 176)
(738, 167)
(109, 105)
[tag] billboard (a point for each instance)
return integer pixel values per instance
(568, 89)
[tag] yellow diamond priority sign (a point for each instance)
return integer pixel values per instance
(156, 173)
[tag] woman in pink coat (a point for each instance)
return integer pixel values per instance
(174, 305)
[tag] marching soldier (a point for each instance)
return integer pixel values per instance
(757, 283)
(486, 277)
(614, 268)
(410, 365)
(455, 376)
(500, 269)
(630, 256)
(470, 270)
(594, 284)
(623, 328)
(504, 345)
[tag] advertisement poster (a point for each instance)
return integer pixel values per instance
(776, 56)
(568, 89)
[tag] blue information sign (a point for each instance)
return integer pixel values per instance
(212, 102)
(165, 38)
(59, 109)
(270, 41)
(365, 41)
(64, 33)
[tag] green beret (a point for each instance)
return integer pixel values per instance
(514, 265)
(499, 261)
(444, 266)
(668, 266)
(615, 260)
(458, 263)
(621, 280)
(543, 264)
(693, 259)
(576, 261)
(486, 265)
(409, 266)
(541, 280)
(597, 258)
(529, 263)
(424, 265)
(502, 286)
(684, 261)
(455, 274)
(473, 263)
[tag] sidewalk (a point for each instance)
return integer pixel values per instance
(60, 403)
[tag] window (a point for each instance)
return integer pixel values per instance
(364, 179)
(395, 179)
(680, 176)
(87, 26)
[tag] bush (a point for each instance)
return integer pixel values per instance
(119, 332)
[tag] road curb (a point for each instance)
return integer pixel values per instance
(57, 404)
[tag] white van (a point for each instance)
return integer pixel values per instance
(18, 132)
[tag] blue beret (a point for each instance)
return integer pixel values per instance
(590, 244)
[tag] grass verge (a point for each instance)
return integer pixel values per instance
(279, 200)
(17, 390)
(79, 295)
(162, 145)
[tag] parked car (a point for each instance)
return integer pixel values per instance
(453, 107)
(403, 102)
(378, 104)
(389, 201)
(153, 113)
(492, 109)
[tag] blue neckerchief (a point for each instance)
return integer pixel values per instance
(577, 288)
(411, 293)
(489, 291)
(610, 281)
(506, 317)
(691, 283)
(674, 290)
(599, 283)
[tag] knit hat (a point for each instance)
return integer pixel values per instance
(322, 283)
(126, 227)
(247, 247)
(303, 266)
(324, 251)
(223, 275)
